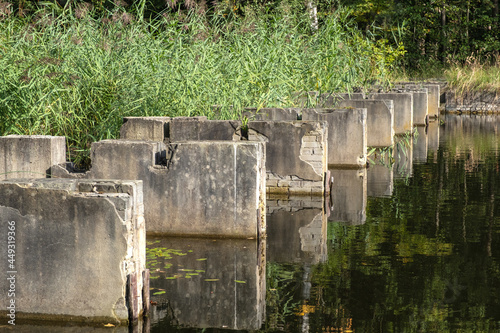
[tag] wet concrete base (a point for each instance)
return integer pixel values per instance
(79, 250)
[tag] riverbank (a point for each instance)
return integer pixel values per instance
(79, 75)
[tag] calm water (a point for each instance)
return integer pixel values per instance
(409, 246)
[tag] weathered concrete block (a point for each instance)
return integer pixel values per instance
(403, 110)
(79, 249)
(294, 148)
(348, 196)
(30, 156)
(347, 138)
(297, 231)
(201, 129)
(273, 113)
(145, 128)
(379, 120)
(227, 290)
(420, 104)
(434, 95)
(197, 188)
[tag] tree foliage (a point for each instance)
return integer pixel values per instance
(434, 30)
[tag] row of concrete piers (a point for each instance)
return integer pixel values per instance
(179, 177)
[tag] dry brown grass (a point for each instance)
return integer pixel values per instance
(475, 75)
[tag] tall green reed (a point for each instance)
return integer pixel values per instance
(77, 77)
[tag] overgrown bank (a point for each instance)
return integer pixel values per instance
(77, 73)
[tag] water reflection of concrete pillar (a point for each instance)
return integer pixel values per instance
(420, 144)
(433, 140)
(348, 196)
(380, 176)
(208, 283)
(296, 230)
(403, 157)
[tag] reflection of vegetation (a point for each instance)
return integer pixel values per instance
(389, 155)
(425, 259)
(283, 294)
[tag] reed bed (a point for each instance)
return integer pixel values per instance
(475, 75)
(77, 75)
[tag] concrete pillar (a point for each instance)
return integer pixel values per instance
(145, 128)
(403, 110)
(30, 156)
(420, 104)
(195, 188)
(210, 284)
(434, 95)
(201, 129)
(348, 196)
(347, 137)
(379, 120)
(296, 155)
(434, 98)
(79, 249)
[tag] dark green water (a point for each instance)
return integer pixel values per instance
(414, 247)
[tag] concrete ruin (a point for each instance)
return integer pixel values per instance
(296, 155)
(434, 95)
(145, 128)
(194, 188)
(403, 110)
(379, 120)
(201, 129)
(63, 233)
(347, 135)
(420, 104)
(30, 156)
(293, 167)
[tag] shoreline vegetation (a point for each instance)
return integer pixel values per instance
(77, 73)
(76, 69)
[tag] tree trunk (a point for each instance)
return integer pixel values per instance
(443, 34)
